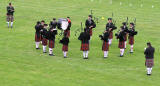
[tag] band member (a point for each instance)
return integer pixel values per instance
(121, 38)
(90, 24)
(37, 34)
(42, 26)
(149, 55)
(68, 28)
(10, 12)
(44, 33)
(52, 34)
(53, 24)
(110, 27)
(131, 32)
(65, 42)
(105, 46)
(84, 38)
(125, 29)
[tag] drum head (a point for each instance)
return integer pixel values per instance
(62, 24)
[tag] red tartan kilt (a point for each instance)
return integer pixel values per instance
(84, 47)
(125, 37)
(111, 35)
(41, 37)
(105, 46)
(51, 43)
(131, 40)
(149, 63)
(90, 32)
(68, 32)
(121, 44)
(65, 48)
(44, 41)
(37, 39)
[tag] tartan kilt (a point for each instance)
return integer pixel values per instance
(84, 47)
(65, 48)
(149, 63)
(105, 46)
(125, 37)
(37, 38)
(44, 41)
(68, 32)
(111, 35)
(41, 37)
(131, 40)
(121, 44)
(51, 43)
(10, 18)
(90, 32)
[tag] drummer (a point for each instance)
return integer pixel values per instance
(67, 31)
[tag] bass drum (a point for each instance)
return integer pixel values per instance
(62, 24)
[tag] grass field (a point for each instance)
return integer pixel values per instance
(22, 65)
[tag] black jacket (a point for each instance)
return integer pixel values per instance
(52, 34)
(10, 10)
(88, 24)
(120, 36)
(84, 37)
(132, 32)
(44, 33)
(149, 53)
(105, 37)
(110, 25)
(64, 41)
(53, 24)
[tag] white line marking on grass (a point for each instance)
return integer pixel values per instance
(141, 5)
(152, 6)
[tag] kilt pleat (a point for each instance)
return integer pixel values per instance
(105, 46)
(84, 47)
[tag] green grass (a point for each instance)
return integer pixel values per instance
(22, 65)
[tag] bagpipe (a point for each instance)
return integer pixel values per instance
(77, 31)
(96, 19)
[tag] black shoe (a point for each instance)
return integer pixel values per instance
(51, 55)
(65, 56)
(148, 74)
(44, 52)
(121, 56)
(105, 57)
(11, 26)
(131, 52)
(37, 48)
(8, 26)
(85, 58)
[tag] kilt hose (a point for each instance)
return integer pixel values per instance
(121, 44)
(105, 46)
(10, 18)
(37, 37)
(65, 48)
(67, 32)
(111, 35)
(44, 41)
(84, 46)
(149, 63)
(131, 40)
(51, 43)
